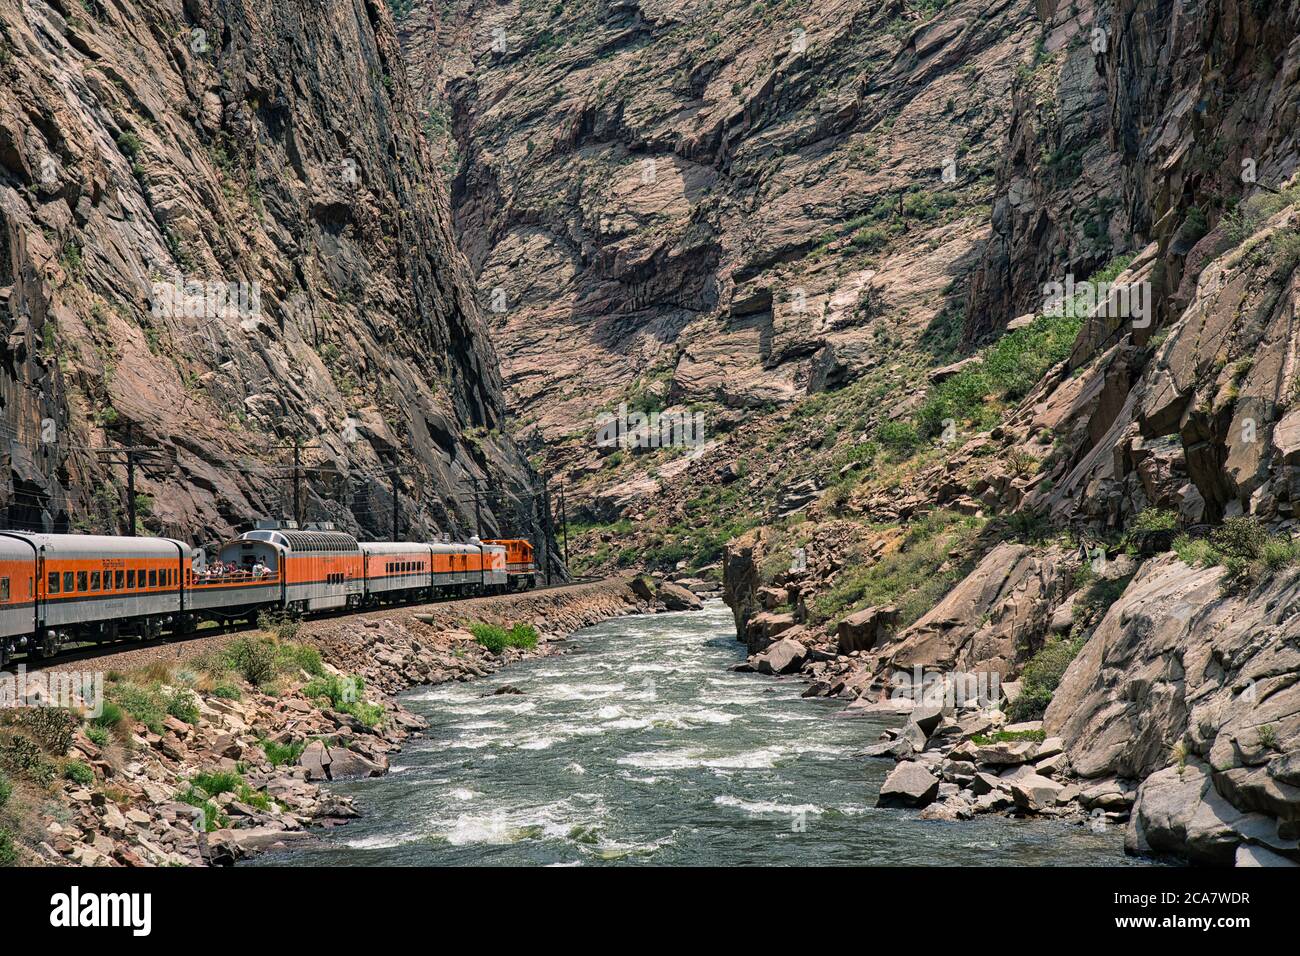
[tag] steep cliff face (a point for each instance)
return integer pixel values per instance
(1139, 122)
(220, 233)
(1157, 141)
(712, 204)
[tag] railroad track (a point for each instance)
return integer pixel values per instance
(91, 650)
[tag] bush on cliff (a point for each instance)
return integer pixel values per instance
(254, 659)
(1246, 551)
(1041, 676)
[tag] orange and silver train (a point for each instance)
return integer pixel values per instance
(59, 588)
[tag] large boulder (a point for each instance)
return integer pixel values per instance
(908, 785)
(1035, 793)
(350, 765)
(866, 629)
(783, 657)
(315, 759)
(1179, 812)
(763, 628)
(674, 597)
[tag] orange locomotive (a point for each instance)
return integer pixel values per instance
(521, 569)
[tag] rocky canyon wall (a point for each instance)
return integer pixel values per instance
(220, 233)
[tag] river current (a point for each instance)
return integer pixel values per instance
(641, 747)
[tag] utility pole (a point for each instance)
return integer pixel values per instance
(396, 501)
(564, 526)
(546, 529)
(296, 473)
(129, 456)
(478, 510)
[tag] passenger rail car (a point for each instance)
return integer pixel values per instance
(320, 569)
(58, 588)
(92, 587)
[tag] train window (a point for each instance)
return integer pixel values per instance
(130, 578)
(94, 580)
(69, 580)
(4, 589)
(119, 578)
(153, 579)
(53, 586)
(82, 579)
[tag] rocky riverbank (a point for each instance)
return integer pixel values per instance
(213, 749)
(1143, 691)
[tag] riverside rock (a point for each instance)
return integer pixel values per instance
(783, 657)
(908, 785)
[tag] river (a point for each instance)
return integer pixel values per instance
(640, 747)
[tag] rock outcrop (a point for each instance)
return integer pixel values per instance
(220, 233)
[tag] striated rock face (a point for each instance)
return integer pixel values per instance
(1120, 143)
(1178, 671)
(686, 203)
(1134, 115)
(219, 232)
(992, 620)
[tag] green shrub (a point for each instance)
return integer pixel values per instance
(281, 754)
(522, 636)
(21, 755)
(301, 657)
(97, 735)
(8, 852)
(491, 636)
(79, 772)
(283, 625)
(130, 145)
(110, 715)
(346, 695)
(215, 783)
(1239, 538)
(144, 704)
(213, 818)
(1155, 519)
(51, 727)
(900, 438)
(253, 658)
(227, 692)
(1244, 549)
(1195, 551)
(1040, 677)
(6, 789)
(183, 706)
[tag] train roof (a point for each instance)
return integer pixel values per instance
(453, 547)
(102, 545)
(394, 547)
(306, 540)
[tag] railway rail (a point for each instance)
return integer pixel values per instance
(72, 653)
